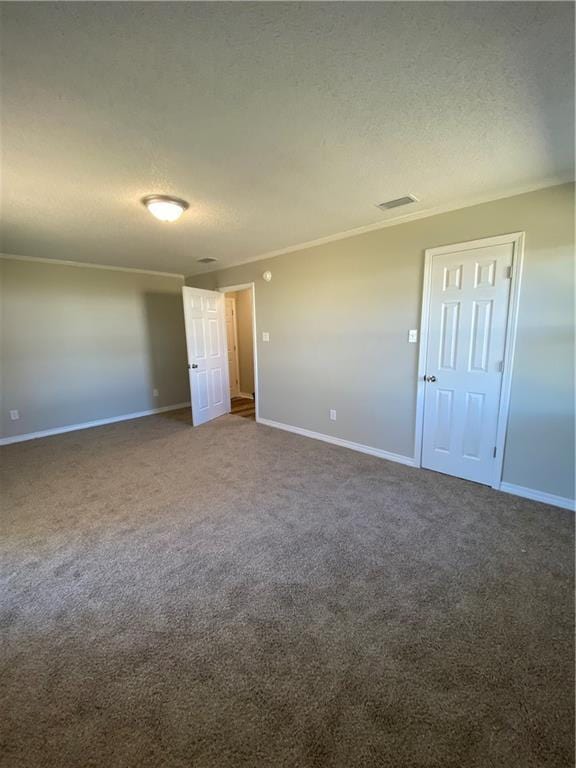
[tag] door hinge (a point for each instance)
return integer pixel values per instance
(500, 366)
(508, 273)
(494, 452)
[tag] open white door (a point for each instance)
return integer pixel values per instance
(207, 354)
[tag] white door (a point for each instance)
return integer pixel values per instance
(232, 339)
(468, 313)
(207, 354)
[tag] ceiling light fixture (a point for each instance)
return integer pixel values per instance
(164, 207)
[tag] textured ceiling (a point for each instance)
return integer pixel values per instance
(279, 122)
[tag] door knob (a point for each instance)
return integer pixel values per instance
(193, 365)
(431, 379)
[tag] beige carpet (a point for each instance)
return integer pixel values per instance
(233, 595)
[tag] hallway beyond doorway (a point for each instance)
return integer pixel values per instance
(243, 406)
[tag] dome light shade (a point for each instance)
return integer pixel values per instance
(164, 207)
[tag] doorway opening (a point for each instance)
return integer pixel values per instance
(207, 348)
(241, 343)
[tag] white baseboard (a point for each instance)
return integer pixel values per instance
(517, 490)
(89, 424)
(545, 498)
(407, 460)
(243, 394)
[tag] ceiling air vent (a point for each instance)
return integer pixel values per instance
(406, 200)
(206, 260)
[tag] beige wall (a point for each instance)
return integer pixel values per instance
(338, 317)
(81, 344)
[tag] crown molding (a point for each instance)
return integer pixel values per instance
(88, 265)
(396, 221)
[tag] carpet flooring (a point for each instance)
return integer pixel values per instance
(234, 595)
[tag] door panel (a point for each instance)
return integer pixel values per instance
(473, 414)
(207, 353)
(480, 335)
(485, 273)
(443, 426)
(214, 338)
(466, 337)
(449, 334)
(217, 388)
(202, 384)
(199, 338)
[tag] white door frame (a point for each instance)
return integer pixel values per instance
(252, 287)
(517, 240)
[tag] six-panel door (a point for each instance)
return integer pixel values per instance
(207, 354)
(466, 339)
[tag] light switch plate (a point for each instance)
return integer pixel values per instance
(413, 336)
(265, 336)
(332, 414)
